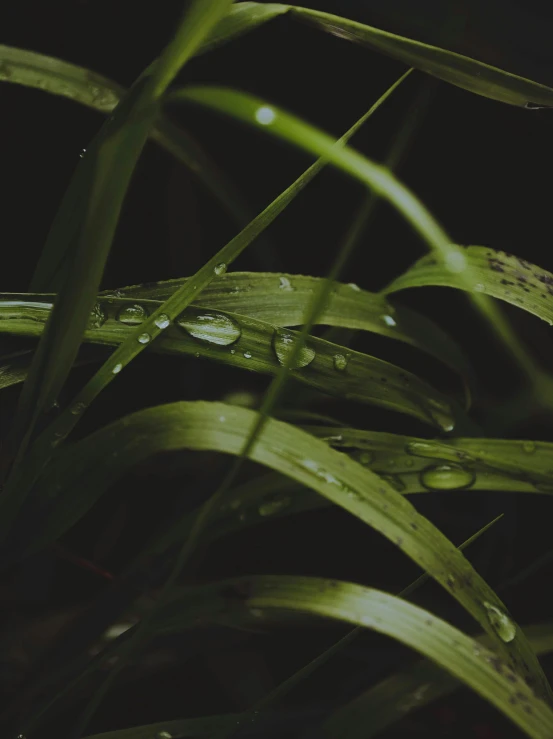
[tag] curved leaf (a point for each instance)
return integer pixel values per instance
(409, 690)
(251, 344)
(496, 273)
(90, 466)
(461, 71)
(461, 656)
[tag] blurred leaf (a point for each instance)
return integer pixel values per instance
(464, 658)
(90, 466)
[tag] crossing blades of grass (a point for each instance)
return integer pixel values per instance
(90, 466)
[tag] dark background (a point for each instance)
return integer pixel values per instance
(482, 168)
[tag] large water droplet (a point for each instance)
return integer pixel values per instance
(97, 316)
(284, 343)
(132, 315)
(447, 477)
(340, 362)
(265, 115)
(214, 328)
(220, 269)
(270, 507)
(162, 321)
(500, 622)
(144, 338)
(285, 284)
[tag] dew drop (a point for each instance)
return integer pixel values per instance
(355, 287)
(132, 315)
(447, 477)
(441, 413)
(270, 507)
(164, 735)
(285, 284)
(265, 115)
(144, 338)
(283, 345)
(162, 321)
(78, 408)
(389, 321)
(213, 328)
(247, 355)
(479, 287)
(500, 622)
(97, 316)
(117, 368)
(220, 269)
(529, 447)
(340, 362)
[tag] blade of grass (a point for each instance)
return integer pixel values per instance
(295, 454)
(104, 176)
(461, 656)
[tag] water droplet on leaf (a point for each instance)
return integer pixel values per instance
(117, 368)
(97, 316)
(247, 355)
(500, 622)
(389, 321)
(144, 338)
(283, 345)
(285, 284)
(270, 507)
(162, 321)
(340, 362)
(78, 408)
(265, 115)
(213, 328)
(529, 447)
(447, 477)
(220, 269)
(132, 315)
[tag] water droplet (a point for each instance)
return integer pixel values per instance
(220, 269)
(389, 321)
(83, 152)
(233, 351)
(340, 362)
(441, 413)
(164, 735)
(57, 438)
(529, 447)
(395, 482)
(144, 338)
(365, 457)
(355, 287)
(97, 316)
(447, 477)
(213, 328)
(285, 284)
(117, 368)
(283, 344)
(479, 287)
(313, 466)
(78, 408)
(433, 451)
(162, 321)
(265, 115)
(222, 419)
(270, 507)
(132, 315)
(455, 261)
(247, 355)
(500, 622)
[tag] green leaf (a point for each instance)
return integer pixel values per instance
(245, 342)
(496, 273)
(414, 687)
(281, 299)
(84, 228)
(461, 71)
(90, 467)
(467, 660)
